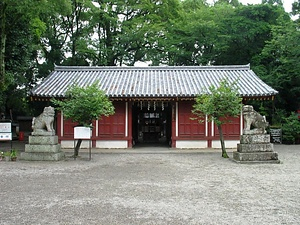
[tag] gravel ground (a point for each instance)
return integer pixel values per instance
(147, 188)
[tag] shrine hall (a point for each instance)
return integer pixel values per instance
(152, 104)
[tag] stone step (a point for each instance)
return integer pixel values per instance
(255, 156)
(29, 156)
(255, 147)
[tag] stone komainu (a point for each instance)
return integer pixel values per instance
(254, 119)
(43, 124)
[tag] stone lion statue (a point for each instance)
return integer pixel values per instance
(254, 119)
(43, 124)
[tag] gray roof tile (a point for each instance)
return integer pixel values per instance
(152, 81)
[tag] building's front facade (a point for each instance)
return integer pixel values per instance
(153, 104)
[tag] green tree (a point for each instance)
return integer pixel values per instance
(20, 29)
(191, 36)
(243, 33)
(296, 11)
(83, 105)
(77, 23)
(291, 129)
(53, 40)
(279, 65)
(219, 104)
(234, 3)
(129, 31)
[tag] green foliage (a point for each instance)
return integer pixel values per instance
(191, 37)
(36, 35)
(38, 26)
(278, 117)
(291, 129)
(219, 105)
(7, 153)
(13, 153)
(138, 36)
(280, 66)
(296, 11)
(244, 33)
(20, 30)
(85, 104)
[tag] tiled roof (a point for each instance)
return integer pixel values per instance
(139, 82)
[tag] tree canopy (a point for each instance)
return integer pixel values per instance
(36, 35)
(220, 105)
(83, 105)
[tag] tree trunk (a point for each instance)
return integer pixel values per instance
(224, 153)
(2, 45)
(77, 147)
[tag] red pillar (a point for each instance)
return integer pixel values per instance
(129, 129)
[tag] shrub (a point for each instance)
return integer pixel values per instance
(290, 129)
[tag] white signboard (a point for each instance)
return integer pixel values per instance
(5, 131)
(82, 133)
(5, 127)
(5, 136)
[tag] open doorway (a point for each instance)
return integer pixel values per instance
(152, 125)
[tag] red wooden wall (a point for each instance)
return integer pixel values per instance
(188, 128)
(231, 130)
(192, 129)
(113, 126)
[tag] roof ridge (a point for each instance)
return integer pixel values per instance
(217, 67)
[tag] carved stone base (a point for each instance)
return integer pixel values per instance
(42, 148)
(255, 139)
(255, 148)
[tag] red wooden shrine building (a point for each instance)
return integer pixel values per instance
(152, 104)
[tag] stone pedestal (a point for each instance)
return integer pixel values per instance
(43, 148)
(255, 148)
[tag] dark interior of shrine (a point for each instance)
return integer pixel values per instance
(152, 125)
